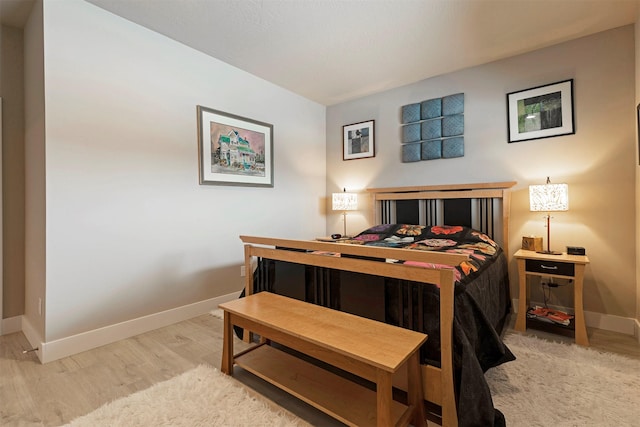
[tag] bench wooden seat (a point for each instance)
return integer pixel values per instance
(369, 349)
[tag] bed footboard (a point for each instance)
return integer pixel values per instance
(438, 384)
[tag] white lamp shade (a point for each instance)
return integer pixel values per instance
(344, 202)
(549, 197)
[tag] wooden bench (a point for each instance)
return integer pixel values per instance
(369, 349)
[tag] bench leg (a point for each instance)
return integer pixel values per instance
(384, 384)
(227, 346)
(415, 392)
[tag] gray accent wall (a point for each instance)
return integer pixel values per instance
(598, 162)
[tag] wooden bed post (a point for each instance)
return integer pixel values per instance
(248, 285)
(506, 209)
(248, 279)
(449, 411)
(374, 209)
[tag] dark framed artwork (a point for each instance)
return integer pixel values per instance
(234, 150)
(541, 112)
(358, 140)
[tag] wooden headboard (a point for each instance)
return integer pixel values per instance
(483, 206)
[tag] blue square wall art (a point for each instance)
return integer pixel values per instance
(433, 129)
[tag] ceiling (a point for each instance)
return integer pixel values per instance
(332, 51)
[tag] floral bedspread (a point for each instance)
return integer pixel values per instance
(443, 238)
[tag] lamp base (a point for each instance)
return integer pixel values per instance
(549, 252)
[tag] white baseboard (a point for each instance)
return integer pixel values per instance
(63, 347)
(607, 322)
(34, 338)
(74, 344)
(11, 325)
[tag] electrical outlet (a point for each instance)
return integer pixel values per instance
(242, 271)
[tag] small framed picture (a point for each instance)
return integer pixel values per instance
(234, 150)
(541, 112)
(358, 140)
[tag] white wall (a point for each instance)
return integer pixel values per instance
(35, 208)
(1, 255)
(598, 162)
(130, 231)
(637, 181)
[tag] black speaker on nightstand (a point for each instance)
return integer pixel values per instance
(575, 250)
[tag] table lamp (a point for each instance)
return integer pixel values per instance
(549, 198)
(344, 202)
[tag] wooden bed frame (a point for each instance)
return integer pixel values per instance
(438, 383)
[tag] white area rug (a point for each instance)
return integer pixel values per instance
(565, 385)
(550, 384)
(200, 397)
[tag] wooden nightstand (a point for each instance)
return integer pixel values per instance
(563, 266)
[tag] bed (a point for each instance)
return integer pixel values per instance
(431, 263)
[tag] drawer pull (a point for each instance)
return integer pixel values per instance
(553, 267)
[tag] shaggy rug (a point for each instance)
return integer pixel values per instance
(565, 385)
(549, 384)
(200, 397)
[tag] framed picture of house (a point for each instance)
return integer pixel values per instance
(541, 112)
(234, 150)
(358, 140)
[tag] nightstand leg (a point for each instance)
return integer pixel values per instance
(581, 328)
(521, 320)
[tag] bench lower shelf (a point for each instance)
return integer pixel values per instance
(338, 397)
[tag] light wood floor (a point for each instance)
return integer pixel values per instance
(32, 394)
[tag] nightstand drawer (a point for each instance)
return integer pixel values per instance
(550, 267)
